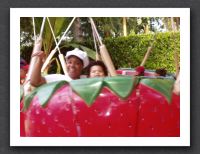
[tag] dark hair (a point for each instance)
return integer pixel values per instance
(98, 63)
(161, 71)
(22, 62)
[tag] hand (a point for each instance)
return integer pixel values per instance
(40, 54)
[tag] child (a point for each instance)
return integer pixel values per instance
(97, 69)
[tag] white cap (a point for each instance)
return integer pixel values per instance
(80, 54)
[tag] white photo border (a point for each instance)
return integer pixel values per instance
(183, 13)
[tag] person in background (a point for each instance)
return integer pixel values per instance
(23, 70)
(139, 71)
(97, 69)
(161, 72)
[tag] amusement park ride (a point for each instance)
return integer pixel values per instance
(121, 105)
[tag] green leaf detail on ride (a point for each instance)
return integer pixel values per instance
(44, 93)
(88, 89)
(121, 85)
(163, 86)
(28, 98)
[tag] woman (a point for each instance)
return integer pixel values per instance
(76, 60)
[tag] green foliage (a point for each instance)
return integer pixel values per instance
(43, 92)
(57, 24)
(25, 53)
(129, 51)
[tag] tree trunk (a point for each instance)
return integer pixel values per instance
(146, 29)
(167, 24)
(124, 26)
(77, 30)
(177, 19)
(173, 25)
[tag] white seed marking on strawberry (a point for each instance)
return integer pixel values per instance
(37, 112)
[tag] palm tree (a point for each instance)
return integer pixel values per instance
(77, 30)
(168, 23)
(59, 25)
(124, 26)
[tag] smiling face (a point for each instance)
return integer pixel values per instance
(96, 71)
(74, 67)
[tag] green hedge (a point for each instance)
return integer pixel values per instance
(129, 51)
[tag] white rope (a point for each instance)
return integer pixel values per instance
(104, 53)
(61, 57)
(94, 38)
(65, 32)
(94, 33)
(92, 22)
(34, 28)
(42, 27)
(53, 35)
(55, 49)
(37, 48)
(95, 45)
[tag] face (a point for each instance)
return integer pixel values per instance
(74, 67)
(96, 71)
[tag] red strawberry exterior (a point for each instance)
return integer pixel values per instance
(156, 116)
(108, 116)
(145, 112)
(56, 119)
(22, 128)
